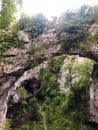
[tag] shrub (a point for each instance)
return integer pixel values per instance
(22, 92)
(8, 40)
(6, 124)
(33, 25)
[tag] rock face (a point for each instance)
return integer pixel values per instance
(8, 88)
(16, 72)
(62, 74)
(62, 81)
(24, 36)
(48, 37)
(93, 117)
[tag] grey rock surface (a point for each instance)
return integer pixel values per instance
(18, 70)
(93, 103)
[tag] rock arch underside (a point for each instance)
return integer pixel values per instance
(20, 73)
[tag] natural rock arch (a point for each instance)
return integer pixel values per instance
(23, 59)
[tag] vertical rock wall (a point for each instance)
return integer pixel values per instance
(93, 109)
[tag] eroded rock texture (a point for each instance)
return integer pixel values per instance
(94, 96)
(18, 71)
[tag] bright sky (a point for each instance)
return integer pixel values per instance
(53, 7)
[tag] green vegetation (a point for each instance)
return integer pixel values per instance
(33, 25)
(27, 115)
(63, 111)
(66, 110)
(74, 28)
(8, 39)
(56, 63)
(37, 51)
(6, 124)
(21, 92)
(8, 9)
(49, 78)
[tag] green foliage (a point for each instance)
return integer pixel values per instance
(27, 115)
(83, 47)
(63, 111)
(49, 83)
(77, 19)
(74, 38)
(22, 92)
(6, 124)
(68, 108)
(33, 25)
(32, 127)
(26, 127)
(64, 35)
(8, 9)
(73, 27)
(81, 69)
(55, 64)
(33, 109)
(95, 13)
(76, 100)
(37, 51)
(35, 63)
(8, 40)
(23, 22)
(49, 77)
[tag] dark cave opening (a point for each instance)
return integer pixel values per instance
(27, 87)
(31, 85)
(93, 125)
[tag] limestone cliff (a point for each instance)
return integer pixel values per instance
(13, 74)
(94, 96)
(22, 66)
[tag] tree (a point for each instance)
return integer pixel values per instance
(8, 8)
